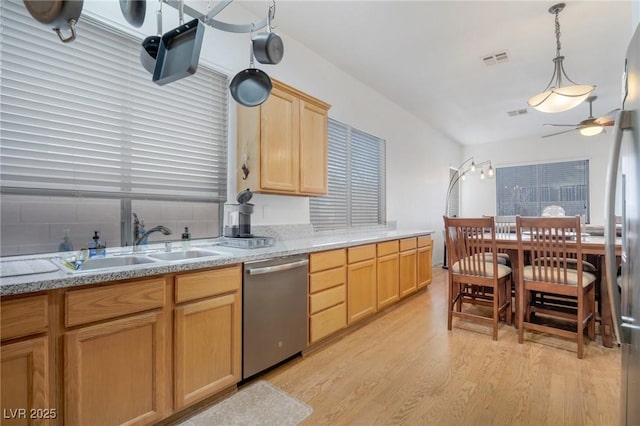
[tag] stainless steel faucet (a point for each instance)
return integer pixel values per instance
(139, 236)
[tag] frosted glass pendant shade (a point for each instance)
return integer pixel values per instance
(591, 130)
(561, 99)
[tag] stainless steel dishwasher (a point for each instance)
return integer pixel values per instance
(274, 311)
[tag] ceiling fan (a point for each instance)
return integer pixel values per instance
(590, 126)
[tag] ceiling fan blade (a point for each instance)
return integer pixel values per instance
(607, 119)
(561, 125)
(559, 133)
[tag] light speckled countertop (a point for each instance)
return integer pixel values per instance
(59, 279)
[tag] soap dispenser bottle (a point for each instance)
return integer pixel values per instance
(97, 248)
(186, 239)
(65, 244)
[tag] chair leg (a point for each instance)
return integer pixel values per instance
(521, 298)
(450, 304)
(507, 289)
(592, 310)
(496, 312)
(580, 330)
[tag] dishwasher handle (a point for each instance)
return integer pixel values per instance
(277, 268)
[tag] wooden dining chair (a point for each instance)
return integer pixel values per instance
(554, 243)
(474, 278)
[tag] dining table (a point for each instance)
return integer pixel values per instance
(593, 248)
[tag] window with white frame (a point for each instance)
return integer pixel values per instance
(84, 120)
(356, 181)
(526, 190)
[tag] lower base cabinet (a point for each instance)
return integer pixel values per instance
(114, 372)
(25, 383)
(425, 254)
(207, 348)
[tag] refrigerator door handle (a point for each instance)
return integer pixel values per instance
(623, 122)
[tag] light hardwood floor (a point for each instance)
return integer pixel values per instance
(406, 368)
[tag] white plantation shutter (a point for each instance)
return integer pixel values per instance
(84, 118)
(356, 181)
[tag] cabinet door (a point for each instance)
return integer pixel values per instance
(408, 272)
(207, 348)
(114, 372)
(313, 149)
(424, 266)
(279, 142)
(388, 280)
(361, 290)
(25, 383)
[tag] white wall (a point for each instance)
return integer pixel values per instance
(479, 197)
(418, 157)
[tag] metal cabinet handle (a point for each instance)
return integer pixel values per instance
(277, 268)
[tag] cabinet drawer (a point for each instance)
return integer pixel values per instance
(408, 244)
(327, 298)
(388, 247)
(22, 317)
(327, 260)
(95, 304)
(208, 283)
(358, 254)
(327, 322)
(425, 241)
(327, 279)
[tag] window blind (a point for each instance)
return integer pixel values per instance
(356, 181)
(85, 119)
(527, 190)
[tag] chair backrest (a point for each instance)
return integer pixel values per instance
(468, 239)
(554, 243)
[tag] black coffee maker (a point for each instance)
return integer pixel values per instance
(238, 223)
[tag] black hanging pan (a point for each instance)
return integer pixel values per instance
(60, 15)
(268, 47)
(134, 11)
(251, 86)
(151, 44)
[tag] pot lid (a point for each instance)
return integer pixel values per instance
(244, 196)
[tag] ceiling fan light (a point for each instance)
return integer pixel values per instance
(561, 99)
(591, 130)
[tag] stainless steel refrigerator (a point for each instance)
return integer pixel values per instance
(623, 177)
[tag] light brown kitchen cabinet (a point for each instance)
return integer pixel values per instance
(207, 333)
(425, 267)
(115, 370)
(24, 359)
(327, 293)
(388, 270)
(282, 144)
(408, 266)
(361, 282)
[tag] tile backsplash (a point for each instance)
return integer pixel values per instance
(37, 224)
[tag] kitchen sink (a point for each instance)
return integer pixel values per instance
(187, 254)
(113, 262)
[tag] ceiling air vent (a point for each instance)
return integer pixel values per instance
(517, 112)
(495, 58)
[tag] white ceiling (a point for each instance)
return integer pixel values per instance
(426, 56)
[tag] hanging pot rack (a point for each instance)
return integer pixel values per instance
(208, 18)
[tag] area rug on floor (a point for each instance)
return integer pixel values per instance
(258, 404)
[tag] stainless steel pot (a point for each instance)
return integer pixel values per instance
(268, 47)
(134, 11)
(60, 15)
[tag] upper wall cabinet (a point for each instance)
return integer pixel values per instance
(282, 144)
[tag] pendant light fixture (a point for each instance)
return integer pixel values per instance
(556, 97)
